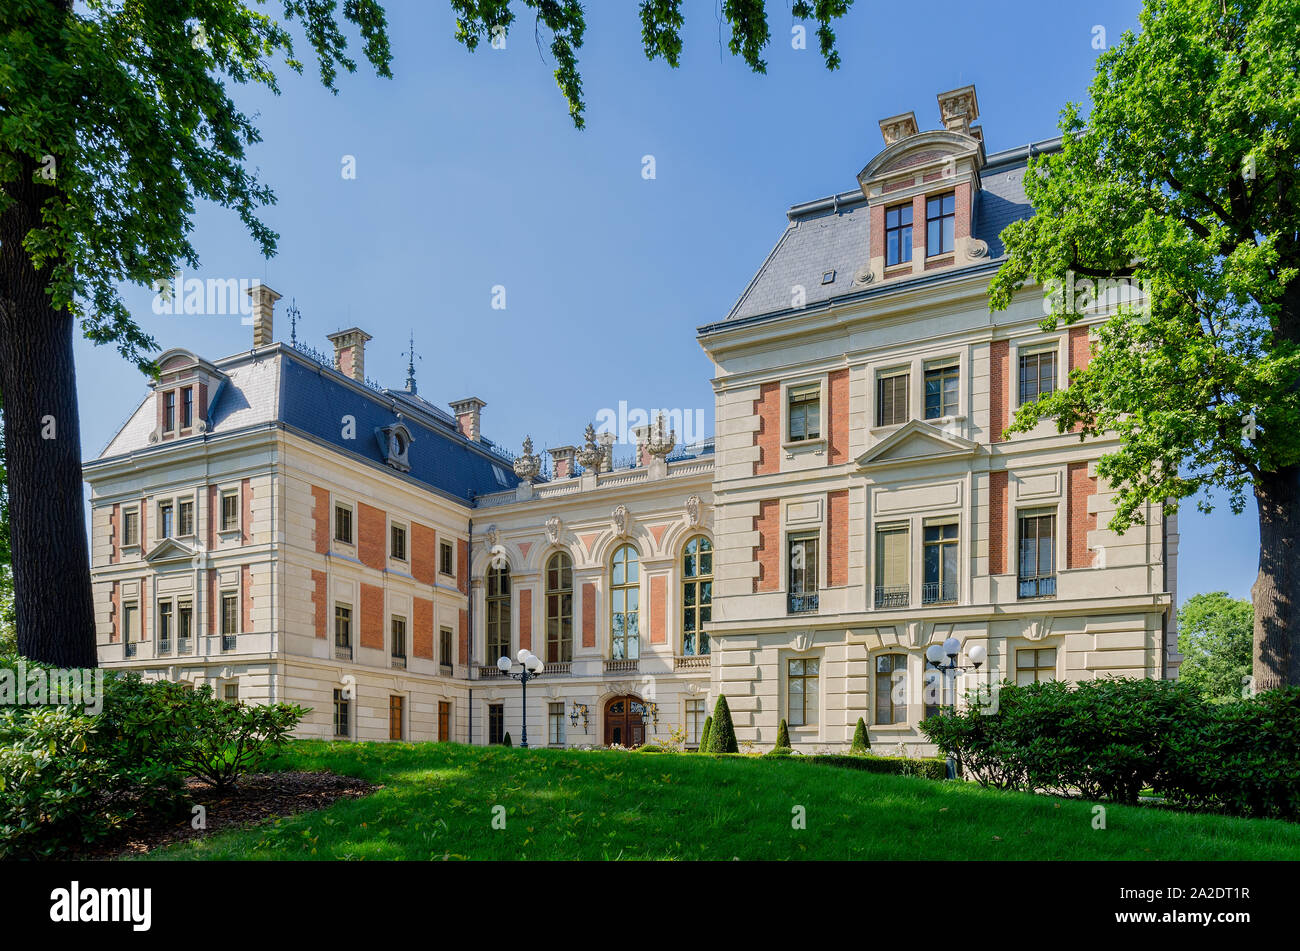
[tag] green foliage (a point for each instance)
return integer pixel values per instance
(650, 748)
(1109, 739)
(1215, 635)
(861, 742)
(222, 741)
(887, 765)
(782, 736)
(8, 633)
(704, 734)
(506, 741)
(722, 735)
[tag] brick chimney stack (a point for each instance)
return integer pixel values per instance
(469, 417)
(350, 352)
(263, 311)
(563, 457)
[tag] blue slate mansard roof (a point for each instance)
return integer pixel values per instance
(277, 385)
(832, 234)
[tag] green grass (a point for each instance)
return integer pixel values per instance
(438, 801)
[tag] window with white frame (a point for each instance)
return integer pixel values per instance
(803, 412)
(230, 511)
(130, 528)
(942, 382)
(1037, 373)
(802, 692)
(555, 724)
(891, 398)
(694, 721)
(343, 523)
(397, 542)
(185, 518)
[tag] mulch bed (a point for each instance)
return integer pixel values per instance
(258, 797)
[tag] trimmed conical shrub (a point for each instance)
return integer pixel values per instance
(704, 735)
(505, 740)
(722, 738)
(861, 744)
(782, 736)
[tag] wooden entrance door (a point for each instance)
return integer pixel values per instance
(624, 722)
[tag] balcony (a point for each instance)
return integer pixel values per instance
(129, 648)
(621, 665)
(559, 668)
(692, 661)
(342, 651)
(489, 672)
(446, 669)
(893, 596)
(801, 603)
(939, 592)
(1044, 586)
(398, 661)
(164, 645)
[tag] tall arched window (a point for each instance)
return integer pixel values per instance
(498, 614)
(625, 605)
(559, 609)
(697, 595)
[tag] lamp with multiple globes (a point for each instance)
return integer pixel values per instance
(530, 666)
(949, 650)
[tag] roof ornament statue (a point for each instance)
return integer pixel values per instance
(657, 442)
(527, 463)
(590, 455)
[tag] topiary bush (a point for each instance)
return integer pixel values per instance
(861, 744)
(505, 740)
(782, 736)
(722, 736)
(704, 735)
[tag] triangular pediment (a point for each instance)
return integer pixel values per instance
(916, 441)
(169, 549)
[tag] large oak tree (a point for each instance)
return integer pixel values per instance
(114, 117)
(1185, 177)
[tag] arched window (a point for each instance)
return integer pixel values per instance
(559, 609)
(625, 605)
(697, 595)
(891, 688)
(498, 614)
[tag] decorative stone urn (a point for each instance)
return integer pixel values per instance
(527, 463)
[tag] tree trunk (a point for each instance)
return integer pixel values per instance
(53, 604)
(1276, 593)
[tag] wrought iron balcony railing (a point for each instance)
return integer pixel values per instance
(1043, 586)
(342, 651)
(939, 592)
(801, 603)
(893, 596)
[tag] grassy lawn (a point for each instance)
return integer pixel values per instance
(438, 801)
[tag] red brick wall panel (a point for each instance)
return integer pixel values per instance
(1080, 522)
(837, 537)
(837, 386)
(766, 554)
(588, 615)
(372, 543)
(768, 438)
(424, 553)
(372, 616)
(999, 380)
(526, 618)
(997, 523)
(462, 565)
(320, 511)
(658, 609)
(464, 637)
(320, 602)
(422, 628)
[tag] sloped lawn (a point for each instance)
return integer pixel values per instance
(439, 801)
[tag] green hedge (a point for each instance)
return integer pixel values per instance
(1109, 739)
(890, 765)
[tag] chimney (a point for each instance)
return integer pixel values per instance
(263, 306)
(606, 441)
(350, 352)
(642, 436)
(563, 457)
(958, 109)
(898, 127)
(469, 417)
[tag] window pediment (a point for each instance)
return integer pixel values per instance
(915, 441)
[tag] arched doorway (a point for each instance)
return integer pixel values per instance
(624, 721)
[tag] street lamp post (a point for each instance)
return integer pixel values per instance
(530, 666)
(949, 649)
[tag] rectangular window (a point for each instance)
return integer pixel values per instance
(444, 647)
(164, 625)
(555, 724)
(891, 688)
(184, 624)
(343, 524)
(898, 234)
(397, 542)
(230, 693)
(229, 613)
(169, 411)
(891, 399)
(496, 724)
(1036, 571)
(1037, 374)
(166, 520)
(187, 408)
(130, 528)
(694, 721)
(940, 215)
(230, 511)
(803, 573)
(342, 715)
(1035, 664)
(445, 557)
(444, 721)
(801, 691)
(939, 564)
(396, 718)
(941, 398)
(343, 631)
(804, 412)
(893, 567)
(185, 523)
(399, 638)
(130, 622)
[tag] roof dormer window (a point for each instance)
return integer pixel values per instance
(898, 234)
(940, 217)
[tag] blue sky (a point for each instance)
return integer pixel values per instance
(470, 175)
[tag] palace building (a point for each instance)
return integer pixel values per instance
(277, 526)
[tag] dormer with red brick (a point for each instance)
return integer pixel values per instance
(921, 190)
(182, 393)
